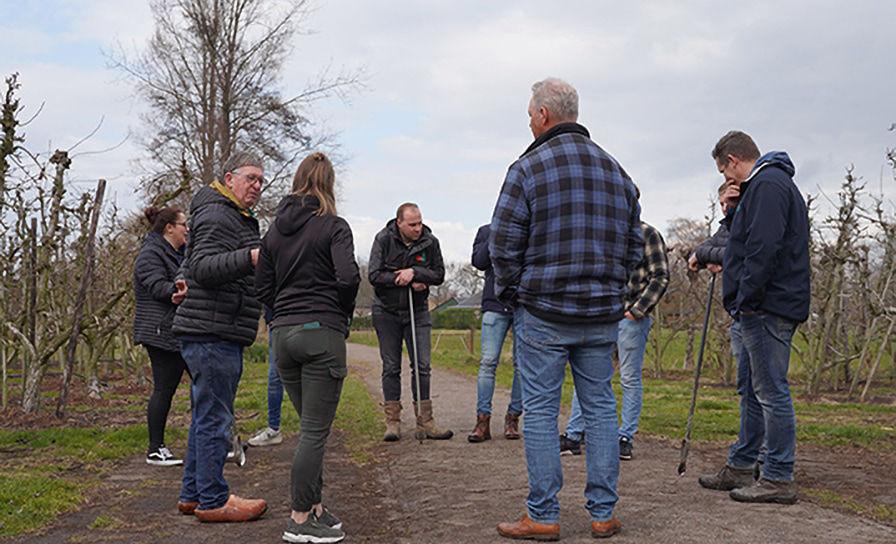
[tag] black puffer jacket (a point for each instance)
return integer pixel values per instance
(389, 254)
(154, 272)
(307, 270)
(221, 302)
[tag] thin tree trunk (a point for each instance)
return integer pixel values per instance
(880, 353)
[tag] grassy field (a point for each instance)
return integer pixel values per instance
(48, 471)
(828, 422)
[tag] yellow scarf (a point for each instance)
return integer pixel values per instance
(228, 194)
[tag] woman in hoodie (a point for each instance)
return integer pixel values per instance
(307, 273)
(157, 297)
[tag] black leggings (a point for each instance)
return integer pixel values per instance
(167, 369)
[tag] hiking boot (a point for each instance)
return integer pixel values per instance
(236, 509)
(482, 431)
(426, 425)
(569, 446)
(392, 408)
(525, 528)
(313, 530)
(266, 437)
(187, 507)
(328, 519)
(625, 448)
(512, 426)
(605, 529)
(727, 479)
(766, 491)
(162, 457)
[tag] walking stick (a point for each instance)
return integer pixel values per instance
(686, 443)
(414, 344)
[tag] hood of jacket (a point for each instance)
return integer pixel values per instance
(778, 159)
(294, 212)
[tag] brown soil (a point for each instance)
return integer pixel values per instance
(453, 492)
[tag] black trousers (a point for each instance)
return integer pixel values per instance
(167, 370)
(391, 331)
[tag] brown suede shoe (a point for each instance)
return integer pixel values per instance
(482, 431)
(235, 510)
(605, 529)
(187, 508)
(525, 528)
(512, 426)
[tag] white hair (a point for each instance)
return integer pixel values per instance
(558, 97)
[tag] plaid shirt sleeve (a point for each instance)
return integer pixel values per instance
(656, 263)
(509, 235)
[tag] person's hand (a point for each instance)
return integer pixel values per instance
(693, 265)
(404, 277)
(417, 286)
(181, 292)
(714, 268)
(630, 316)
(730, 196)
(254, 254)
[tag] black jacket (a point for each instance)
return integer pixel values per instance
(154, 272)
(482, 261)
(766, 265)
(221, 302)
(712, 250)
(307, 270)
(389, 254)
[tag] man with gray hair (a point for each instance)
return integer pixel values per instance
(565, 237)
(218, 318)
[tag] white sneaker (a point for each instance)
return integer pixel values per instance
(162, 457)
(266, 437)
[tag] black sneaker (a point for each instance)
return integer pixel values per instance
(569, 446)
(162, 457)
(625, 448)
(327, 518)
(311, 531)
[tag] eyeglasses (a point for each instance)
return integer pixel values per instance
(181, 223)
(253, 179)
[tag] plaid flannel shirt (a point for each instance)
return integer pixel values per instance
(566, 230)
(648, 282)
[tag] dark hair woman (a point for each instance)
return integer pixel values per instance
(307, 273)
(157, 298)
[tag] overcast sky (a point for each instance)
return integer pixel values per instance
(443, 113)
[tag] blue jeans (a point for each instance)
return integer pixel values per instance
(543, 349)
(275, 386)
(766, 407)
(216, 368)
(632, 344)
(494, 329)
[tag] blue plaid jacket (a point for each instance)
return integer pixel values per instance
(566, 231)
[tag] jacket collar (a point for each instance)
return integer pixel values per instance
(228, 194)
(557, 130)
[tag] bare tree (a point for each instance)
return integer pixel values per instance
(211, 75)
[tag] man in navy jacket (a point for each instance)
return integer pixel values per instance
(766, 289)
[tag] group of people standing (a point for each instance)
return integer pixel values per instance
(570, 268)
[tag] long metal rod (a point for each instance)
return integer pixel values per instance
(686, 443)
(416, 353)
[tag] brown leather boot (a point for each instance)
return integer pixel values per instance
(187, 508)
(236, 509)
(426, 425)
(605, 529)
(512, 426)
(392, 408)
(525, 528)
(483, 431)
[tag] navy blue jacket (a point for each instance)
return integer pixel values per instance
(483, 261)
(766, 264)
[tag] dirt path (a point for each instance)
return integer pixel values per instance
(454, 492)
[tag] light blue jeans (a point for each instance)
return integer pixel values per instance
(543, 349)
(494, 329)
(766, 407)
(632, 344)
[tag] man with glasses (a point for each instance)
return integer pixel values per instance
(216, 320)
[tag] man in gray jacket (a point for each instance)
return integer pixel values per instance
(218, 318)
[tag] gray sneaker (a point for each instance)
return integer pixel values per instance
(727, 479)
(266, 437)
(766, 491)
(328, 519)
(311, 531)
